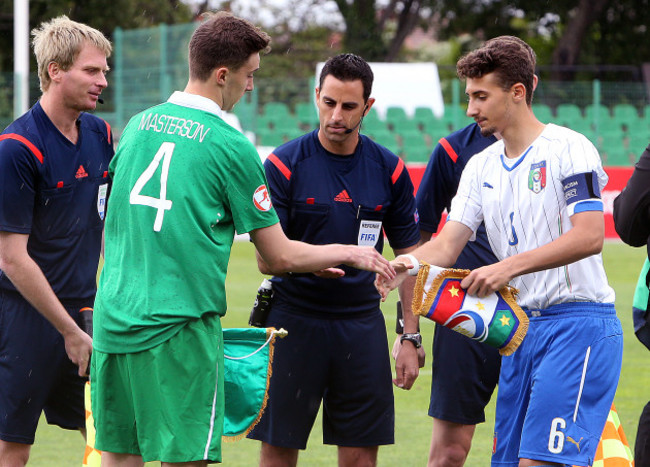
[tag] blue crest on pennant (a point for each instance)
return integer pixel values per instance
(537, 177)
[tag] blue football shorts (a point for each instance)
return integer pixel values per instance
(36, 374)
(464, 375)
(339, 360)
(556, 390)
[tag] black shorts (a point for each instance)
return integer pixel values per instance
(464, 375)
(36, 374)
(342, 361)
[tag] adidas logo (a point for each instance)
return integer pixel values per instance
(343, 197)
(81, 172)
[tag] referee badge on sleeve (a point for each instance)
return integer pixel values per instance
(496, 320)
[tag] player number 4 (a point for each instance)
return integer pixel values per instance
(162, 204)
(556, 437)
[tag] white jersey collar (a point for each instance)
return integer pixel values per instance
(195, 101)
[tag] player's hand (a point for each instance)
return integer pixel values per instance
(400, 266)
(408, 361)
(485, 280)
(397, 345)
(79, 346)
(369, 259)
(330, 273)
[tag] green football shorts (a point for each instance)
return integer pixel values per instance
(165, 403)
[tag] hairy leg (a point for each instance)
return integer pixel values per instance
(450, 443)
(275, 456)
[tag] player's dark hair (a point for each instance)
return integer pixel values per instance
(349, 67)
(508, 57)
(224, 40)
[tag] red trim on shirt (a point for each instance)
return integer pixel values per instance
(26, 142)
(108, 132)
(397, 172)
(450, 151)
(280, 165)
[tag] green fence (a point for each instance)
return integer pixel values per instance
(148, 64)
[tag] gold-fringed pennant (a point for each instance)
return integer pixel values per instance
(248, 363)
(496, 319)
(248, 358)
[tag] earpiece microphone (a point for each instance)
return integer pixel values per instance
(350, 130)
(100, 100)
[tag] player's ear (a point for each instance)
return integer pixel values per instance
(369, 103)
(54, 71)
(220, 74)
(518, 91)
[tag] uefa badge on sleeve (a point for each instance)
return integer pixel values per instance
(537, 177)
(261, 198)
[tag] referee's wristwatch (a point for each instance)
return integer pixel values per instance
(414, 337)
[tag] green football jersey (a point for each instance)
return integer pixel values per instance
(183, 182)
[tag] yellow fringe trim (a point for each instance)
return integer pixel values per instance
(270, 334)
(422, 304)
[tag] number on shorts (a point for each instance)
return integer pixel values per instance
(556, 437)
(162, 204)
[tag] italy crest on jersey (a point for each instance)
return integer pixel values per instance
(537, 177)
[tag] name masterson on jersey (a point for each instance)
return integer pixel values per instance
(173, 125)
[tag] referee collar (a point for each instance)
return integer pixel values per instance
(195, 101)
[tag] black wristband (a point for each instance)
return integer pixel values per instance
(399, 321)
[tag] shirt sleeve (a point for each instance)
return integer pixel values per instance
(582, 175)
(247, 192)
(18, 174)
(400, 224)
(437, 188)
(632, 205)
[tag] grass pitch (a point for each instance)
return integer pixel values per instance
(413, 426)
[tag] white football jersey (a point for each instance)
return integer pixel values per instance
(527, 202)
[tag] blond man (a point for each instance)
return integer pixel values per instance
(53, 186)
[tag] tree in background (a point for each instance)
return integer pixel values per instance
(104, 15)
(565, 33)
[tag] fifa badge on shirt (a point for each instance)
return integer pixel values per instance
(369, 232)
(101, 200)
(537, 177)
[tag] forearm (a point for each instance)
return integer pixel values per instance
(30, 281)
(442, 250)
(405, 290)
(303, 257)
(574, 245)
(411, 322)
(279, 255)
